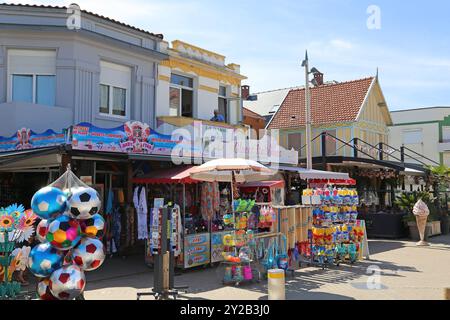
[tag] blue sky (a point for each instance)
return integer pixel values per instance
(268, 39)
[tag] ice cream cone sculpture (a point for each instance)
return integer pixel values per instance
(421, 212)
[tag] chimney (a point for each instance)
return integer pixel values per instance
(318, 77)
(245, 92)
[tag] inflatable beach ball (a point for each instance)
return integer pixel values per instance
(84, 203)
(44, 259)
(89, 254)
(64, 233)
(49, 202)
(67, 283)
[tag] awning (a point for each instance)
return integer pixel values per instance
(176, 175)
(22, 160)
(314, 174)
(263, 184)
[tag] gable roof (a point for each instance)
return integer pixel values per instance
(268, 102)
(330, 103)
(251, 114)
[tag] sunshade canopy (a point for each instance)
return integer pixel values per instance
(222, 169)
(315, 174)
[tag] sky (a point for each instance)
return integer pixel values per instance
(410, 45)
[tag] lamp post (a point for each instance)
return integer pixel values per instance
(305, 64)
(308, 137)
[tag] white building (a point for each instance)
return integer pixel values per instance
(425, 134)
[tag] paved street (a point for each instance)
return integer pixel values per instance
(407, 272)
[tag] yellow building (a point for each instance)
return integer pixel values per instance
(193, 83)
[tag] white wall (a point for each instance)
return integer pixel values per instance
(428, 147)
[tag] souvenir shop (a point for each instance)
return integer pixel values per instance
(205, 210)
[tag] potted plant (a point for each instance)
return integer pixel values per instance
(439, 177)
(406, 202)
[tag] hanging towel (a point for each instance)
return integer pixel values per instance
(140, 203)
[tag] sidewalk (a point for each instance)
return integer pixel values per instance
(407, 272)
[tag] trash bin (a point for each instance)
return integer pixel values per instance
(276, 284)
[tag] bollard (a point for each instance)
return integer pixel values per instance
(276, 285)
(447, 294)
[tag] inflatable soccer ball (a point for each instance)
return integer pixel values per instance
(67, 283)
(89, 254)
(41, 231)
(64, 233)
(44, 259)
(43, 290)
(49, 202)
(93, 227)
(84, 203)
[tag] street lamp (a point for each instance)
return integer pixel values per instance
(305, 64)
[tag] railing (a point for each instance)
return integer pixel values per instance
(383, 155)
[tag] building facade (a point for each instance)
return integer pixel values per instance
(194, 82)
(53, 77)
(424, 132)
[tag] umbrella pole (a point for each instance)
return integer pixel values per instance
(232, 209)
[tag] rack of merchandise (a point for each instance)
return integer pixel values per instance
(336, 236)
(239, 243)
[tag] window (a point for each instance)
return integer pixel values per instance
(295, 142)
(414, 136)
(115, 86)
(181, 96)
(445, 134)
(223, 105)
(32, 76)
(22, 88)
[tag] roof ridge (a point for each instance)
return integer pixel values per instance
(328, 84)
(156, 35)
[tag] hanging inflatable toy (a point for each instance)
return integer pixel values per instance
(49, 202)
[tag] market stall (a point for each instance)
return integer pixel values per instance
(243, 248)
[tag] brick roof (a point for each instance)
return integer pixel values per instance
(331, 103)
(157, 35)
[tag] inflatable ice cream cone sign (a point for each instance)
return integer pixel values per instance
(421, 212)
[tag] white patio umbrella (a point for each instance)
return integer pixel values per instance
(222, 170)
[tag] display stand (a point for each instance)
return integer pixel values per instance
(164, 264)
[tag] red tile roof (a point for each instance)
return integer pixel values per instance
(157, 35)
(331, 103)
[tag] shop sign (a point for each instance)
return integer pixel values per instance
(132, 137)
(196, 250)
(26, 139)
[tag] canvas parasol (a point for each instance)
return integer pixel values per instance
(222, 170)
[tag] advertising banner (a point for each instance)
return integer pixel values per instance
(132, 137)
(26, 139)
(196, 250)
